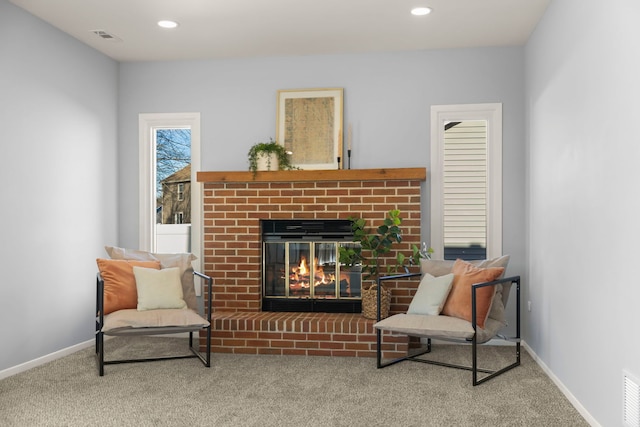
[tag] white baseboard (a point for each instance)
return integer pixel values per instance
(572, 399)
(45, 359)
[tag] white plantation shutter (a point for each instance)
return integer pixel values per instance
(466, 181)
(465, 184)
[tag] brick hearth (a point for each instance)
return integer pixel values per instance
(234, 204)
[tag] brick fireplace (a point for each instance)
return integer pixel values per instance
(235, 203)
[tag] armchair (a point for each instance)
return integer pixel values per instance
(476, 317)
(136, 296)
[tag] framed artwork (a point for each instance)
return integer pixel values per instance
(309, 125)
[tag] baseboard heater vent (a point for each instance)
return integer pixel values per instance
(631, 397)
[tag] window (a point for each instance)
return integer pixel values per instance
(178, 218)
(466, 181)
(155, 128)
(180, 192)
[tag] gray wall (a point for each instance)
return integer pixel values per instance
(58, 172)
(584, 205)
(571, 205)
(388, 97)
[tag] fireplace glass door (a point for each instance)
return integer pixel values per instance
(308, 270)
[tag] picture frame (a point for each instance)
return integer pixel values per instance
(309, 125)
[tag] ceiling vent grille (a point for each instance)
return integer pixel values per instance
(105, 35)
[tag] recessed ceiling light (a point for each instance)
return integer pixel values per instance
(168, 24)
(420, 11)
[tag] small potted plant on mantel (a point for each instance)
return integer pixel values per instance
(266, 156)
(373, 243)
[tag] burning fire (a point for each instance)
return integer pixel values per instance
(300, 277)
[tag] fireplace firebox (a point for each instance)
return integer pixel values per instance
(301, 271)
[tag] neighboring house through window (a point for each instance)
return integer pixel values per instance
(176, 197)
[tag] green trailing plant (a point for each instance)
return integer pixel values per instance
(375, 243)
(266, 148)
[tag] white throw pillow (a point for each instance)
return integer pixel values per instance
(159, 288)
(431, 294)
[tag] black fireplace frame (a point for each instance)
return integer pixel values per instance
(307, 230)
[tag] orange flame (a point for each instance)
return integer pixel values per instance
(301, 275)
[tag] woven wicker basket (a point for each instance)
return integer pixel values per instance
(370, 299)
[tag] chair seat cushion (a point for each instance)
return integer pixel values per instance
(183, 319)
(439, 327)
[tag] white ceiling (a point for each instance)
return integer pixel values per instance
(249, 28)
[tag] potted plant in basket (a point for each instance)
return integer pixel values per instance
(373, 244)
(268, 156)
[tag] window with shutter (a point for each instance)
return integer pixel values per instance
(466, 181)
(465, 189)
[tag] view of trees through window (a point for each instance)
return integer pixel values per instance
(173, 176)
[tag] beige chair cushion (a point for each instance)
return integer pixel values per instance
(503, 289)
(438, 327)
(437, 267)
(146, 322)
(427, 326)
(180, 260)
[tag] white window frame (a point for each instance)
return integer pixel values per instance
(441, 114)
(178, 218)
(180, 191)
(147, 125)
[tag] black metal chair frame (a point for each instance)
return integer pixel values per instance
(473, 341)
(195, 351)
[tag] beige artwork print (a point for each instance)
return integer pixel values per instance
(309, 129)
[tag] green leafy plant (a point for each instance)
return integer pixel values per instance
(374, 243)
(266, 148)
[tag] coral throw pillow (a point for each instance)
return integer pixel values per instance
(458, 303)
(119, 282)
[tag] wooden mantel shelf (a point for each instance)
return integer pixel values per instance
(316, 175)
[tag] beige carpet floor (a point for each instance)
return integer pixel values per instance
(248, 390)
